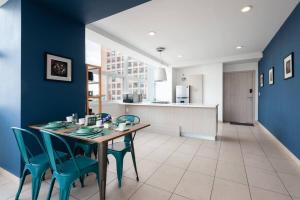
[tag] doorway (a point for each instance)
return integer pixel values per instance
(239, 97)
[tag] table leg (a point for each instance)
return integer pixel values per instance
(102, 159)
(133, 157)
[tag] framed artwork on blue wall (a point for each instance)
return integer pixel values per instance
(261, 80)
(288, 65)
(58, 68)
(271, 76)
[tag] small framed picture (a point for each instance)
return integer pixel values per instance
(288, 65)
(261, 80)
(271, 76)
(58, 68)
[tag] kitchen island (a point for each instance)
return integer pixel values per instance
(191, 120)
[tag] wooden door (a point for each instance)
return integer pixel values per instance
(239, 96)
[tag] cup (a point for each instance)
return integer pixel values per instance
(99, 123)
(122, 126)
(69, 119)
(81, 121)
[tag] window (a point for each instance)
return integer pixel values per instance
(113, 77)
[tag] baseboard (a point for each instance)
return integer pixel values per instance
(277, 142)
(9, 175)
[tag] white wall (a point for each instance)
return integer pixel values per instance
(92, 53)
(246, 67)
(212, 83)
(113, 108)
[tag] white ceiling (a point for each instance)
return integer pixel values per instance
(199, 30)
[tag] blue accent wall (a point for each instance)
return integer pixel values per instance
(29, 29)
(44, 30)
(279, 104)
(10, 85)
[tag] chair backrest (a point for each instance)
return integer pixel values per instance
(25, 151)
(131, 118)
(54, 159)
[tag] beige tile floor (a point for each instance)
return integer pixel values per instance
(243, 164)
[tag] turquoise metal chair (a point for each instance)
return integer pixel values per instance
(36, 165)
(119, 149)
(89, 148)
(67, 172)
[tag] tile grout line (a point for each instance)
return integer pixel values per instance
(185, 170)
(244, 164)
(144, 183)
(272, 164)
(214, 178)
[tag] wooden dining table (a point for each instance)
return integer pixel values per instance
(102, 142)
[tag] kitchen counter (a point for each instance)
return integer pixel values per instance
(190, 105)
(190, 120)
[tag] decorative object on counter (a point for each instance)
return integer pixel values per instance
(271, 76)
(261, 80)
(289, 66)
(132, 98)
(58, 68)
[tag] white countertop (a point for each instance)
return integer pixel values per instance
(190, 105)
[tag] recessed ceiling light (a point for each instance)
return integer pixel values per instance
(239, 47)
(179, 56)
(246, 9)
(151, 33)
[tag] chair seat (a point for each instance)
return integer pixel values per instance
(84, 163)
(119, 146)
(44, 159)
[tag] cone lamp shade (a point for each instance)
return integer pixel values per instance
(160, 74)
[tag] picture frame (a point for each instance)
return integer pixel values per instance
(271, 76)
(58, 68)
(261, 80)
(288, 66)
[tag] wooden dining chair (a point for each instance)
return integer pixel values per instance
(119, 149)
(35, 164)
(67, 172)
